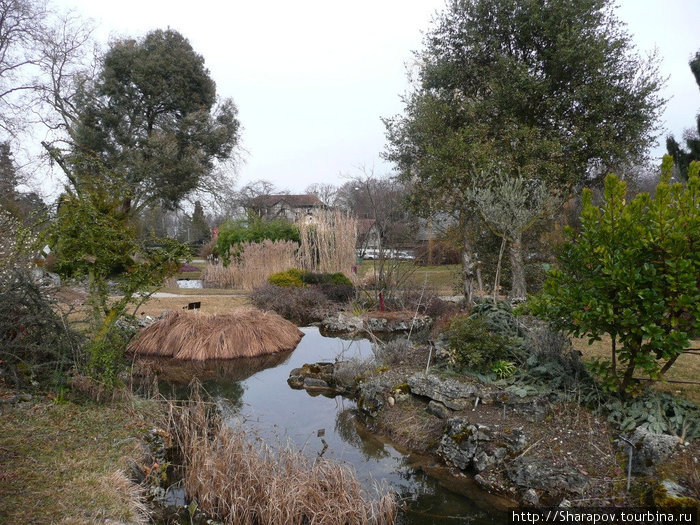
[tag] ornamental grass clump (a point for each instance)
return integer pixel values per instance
(243, 481)
(253, 264)
(200, 337)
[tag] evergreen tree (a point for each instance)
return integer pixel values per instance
(547, 90)
(683, 157)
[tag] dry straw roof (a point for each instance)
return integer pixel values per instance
(199, 337)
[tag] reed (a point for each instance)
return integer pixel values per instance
(328, 242)
(199, 337)
(253, 264)
(242, 481)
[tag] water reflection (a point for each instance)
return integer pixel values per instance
(254, 393)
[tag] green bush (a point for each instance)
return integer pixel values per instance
(291, 277)
(253, 229)
(474, 346)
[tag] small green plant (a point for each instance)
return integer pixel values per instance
(503, 368)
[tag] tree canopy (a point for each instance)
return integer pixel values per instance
(152, 118)
(546, 90)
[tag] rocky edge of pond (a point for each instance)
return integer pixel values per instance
(376, 322)
(497, 437)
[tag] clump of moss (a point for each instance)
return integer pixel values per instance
(402, 388)
(464, 434)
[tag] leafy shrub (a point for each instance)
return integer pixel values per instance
(474, 346)
(301, 305)
(253, 230)
(326, 278)
(498, 317)
(658, 412)
(291, 277)
(335, 286)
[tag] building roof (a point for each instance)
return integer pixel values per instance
(295, 201)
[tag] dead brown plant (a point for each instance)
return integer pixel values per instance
(253, 264)
(328, 242)
(242, 481)
(193, 336)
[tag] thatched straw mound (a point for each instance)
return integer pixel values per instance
(198, 337)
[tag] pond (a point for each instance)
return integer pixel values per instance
(254, 393)
(190, 283)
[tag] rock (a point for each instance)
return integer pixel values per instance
(469, 446)
(515, 440)
(673, 489)
(439, 410)
(343, 323)
(372, 394)
(312, 382)
(537, 474)
(296, 381)
(313, 376)
(450, 392)
(650, 449)
(381, 322)
(390, 401)
(530, 498)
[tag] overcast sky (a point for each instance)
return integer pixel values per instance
(313, 78)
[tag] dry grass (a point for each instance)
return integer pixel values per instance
(328, 243)
(210, 304)
(244, 482)
(64, 463)
(255, 263)
(198, 337)
(686, 368)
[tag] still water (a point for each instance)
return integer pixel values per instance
(254, 393)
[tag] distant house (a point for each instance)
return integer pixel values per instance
(289, 207)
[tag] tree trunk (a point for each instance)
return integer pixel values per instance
(497, 278)
(468, 269)
(518, 291)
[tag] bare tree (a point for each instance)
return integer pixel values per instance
(326, 193)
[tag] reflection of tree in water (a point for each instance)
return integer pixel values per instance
(354, 433)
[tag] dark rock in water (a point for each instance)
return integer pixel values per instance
(553, 479)
(438, 410)
(313, 382)
(313, 376)
(454, 394)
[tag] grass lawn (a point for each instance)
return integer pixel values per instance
(686, 368)
(215, 303)
(65, 463)
(442, 279)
